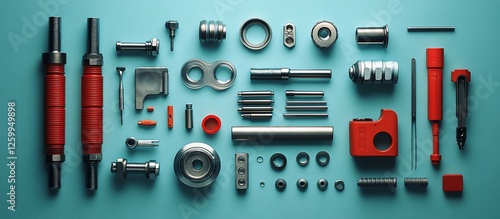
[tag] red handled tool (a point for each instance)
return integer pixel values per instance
(55, 103)
(435, 63)
(92, 102)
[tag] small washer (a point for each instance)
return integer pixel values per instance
(322, 184)
(322, 155)
(280, 184)
(243, 34)
(300, 157)
(274, 164)
(324, 34)
(302, 184)
(339, 185)
(260, 159)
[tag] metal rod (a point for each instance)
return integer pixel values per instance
(286, 73)
(255, 108)
(413, 158)
(256, 93)
(305, 115)
(257, 115)
(271, 133)
(431, 28)
(306, 102)
(321, 108)
(295, 93)
(255, 102)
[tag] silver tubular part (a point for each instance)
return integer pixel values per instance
(289, 35)
(255, 111)
(197, 165)
(431, 28)
(243, 34)
(374, 72)
(208, 77)
(305, 115)
(151, 169)
(255, 102)
(212, 31)
(372, 36)
(320, 108)
(294, 93)
(151, 47)
(241, 170)
(255, 108)
(269, 133)
(256, 115)
(324, 34)
(306, 102)
(286, 73)
(189, 116)
(256, 93)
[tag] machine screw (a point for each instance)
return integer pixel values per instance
(121, 167)
(172, 25)
(151, 47)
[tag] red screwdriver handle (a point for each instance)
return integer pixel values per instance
(435, 63)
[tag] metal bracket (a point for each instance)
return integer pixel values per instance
(149, 81)
(241, 167)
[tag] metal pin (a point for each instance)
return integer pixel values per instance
(305, 115)
(256, 93)
(120, 92)
(294, 93)
(306, 102)
(255, 108)
(322, 108)
(431, 28)
(255, 102)
(257, 115)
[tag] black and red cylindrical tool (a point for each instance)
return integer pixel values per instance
(55, 103)
(92, 102)
(435, 63)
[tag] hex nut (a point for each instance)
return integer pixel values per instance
(120, 168)
(152, 169)
(155, 46)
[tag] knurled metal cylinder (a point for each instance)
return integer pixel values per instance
(377, 182)
(212, 31)
(374, 72)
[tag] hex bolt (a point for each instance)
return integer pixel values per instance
(151, 47)
(172, 25)
(122, 168)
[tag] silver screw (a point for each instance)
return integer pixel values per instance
(122, 168)
(172, 25)
(151, 47)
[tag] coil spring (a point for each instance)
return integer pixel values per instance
(377, 182)
(417, 182)
(212, 31)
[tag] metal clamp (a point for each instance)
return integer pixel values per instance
(149, 81)
(208, 77)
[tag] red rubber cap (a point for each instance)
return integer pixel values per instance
(460, 73)
(453, 183)
(211, 124)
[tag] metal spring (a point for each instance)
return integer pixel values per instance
(377, 182)
(416, 182)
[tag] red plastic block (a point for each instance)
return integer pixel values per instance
(453, 183)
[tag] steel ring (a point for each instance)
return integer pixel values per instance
(243, 34)
(197, 175)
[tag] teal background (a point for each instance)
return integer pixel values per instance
(473, 45)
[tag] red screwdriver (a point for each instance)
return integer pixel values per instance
(435, 63)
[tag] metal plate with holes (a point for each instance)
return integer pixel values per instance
(208, 77)
(241, 170)
(289, 35)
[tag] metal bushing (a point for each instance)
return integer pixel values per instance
(212, 31)
(243, 34)
(302, 159)
(324, 34)
(275, 161)
(197, 165)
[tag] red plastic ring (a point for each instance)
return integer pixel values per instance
(211, 124)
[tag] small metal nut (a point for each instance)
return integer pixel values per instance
(152, 169)
(339, 185)
(302, 184)
(155, 46)
(324, 34)
(280, 184)
(120, 168)
(322, 184)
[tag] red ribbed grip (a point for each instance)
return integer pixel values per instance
(92, 102)
(55, 113)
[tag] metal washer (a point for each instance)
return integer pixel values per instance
(243, 34)
(327, 41)
(184, 165)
